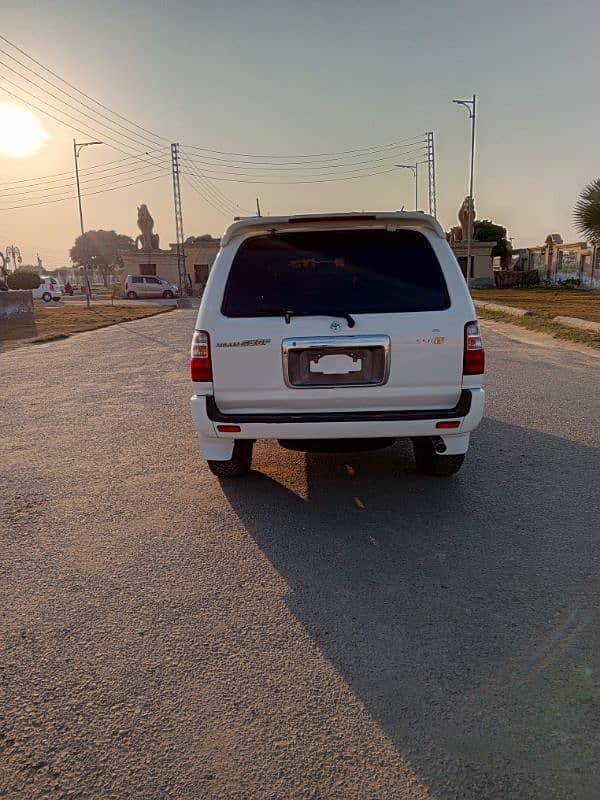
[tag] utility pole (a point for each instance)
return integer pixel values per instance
(416, 185)
(470, 106)
(431, 175)
(77, 148)
(181, 271)
(258, 208)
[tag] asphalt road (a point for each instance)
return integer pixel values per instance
(333, 627)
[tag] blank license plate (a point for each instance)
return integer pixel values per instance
(335, 365)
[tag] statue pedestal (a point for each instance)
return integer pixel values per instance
(482, 273)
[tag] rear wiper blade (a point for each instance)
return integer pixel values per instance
(349, 319)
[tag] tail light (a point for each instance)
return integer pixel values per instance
(474, 358)
(200, 363)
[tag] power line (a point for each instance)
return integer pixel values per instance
(72, 86)
(87, 194)
(69, 105)
(59, 175)
(141, 169)
(314, 180)
(205, 163)
(61, 181)
(79, 102)
(154, 136)
(228, 169)
(389, 145)
(87, 132)
(229, 205)
(318, 180)
(201, 190)
(233, 170)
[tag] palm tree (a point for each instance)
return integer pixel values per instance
(586, 213)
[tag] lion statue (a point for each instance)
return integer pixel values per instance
(463, 218)
(460, 233)
(147, 240)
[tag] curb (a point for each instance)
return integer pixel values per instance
(515, 312)
(568, 322)
(580, 324)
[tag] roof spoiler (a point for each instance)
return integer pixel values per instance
(389, 219)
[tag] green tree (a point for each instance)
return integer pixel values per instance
(587, 212)
(99, 250)
(484, 230)
(23, 279)
(30, 268)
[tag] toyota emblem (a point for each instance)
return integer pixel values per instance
(335, 325)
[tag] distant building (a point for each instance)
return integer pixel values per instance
(558, 261)
(482, 274)
(200, 252)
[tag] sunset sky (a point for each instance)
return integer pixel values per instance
(287, 78)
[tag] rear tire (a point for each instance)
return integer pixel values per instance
(131, 296)
(168, 295)
(46, 297)
(431, 463)
(238, 465)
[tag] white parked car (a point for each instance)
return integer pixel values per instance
(49, 289)
(336, 332)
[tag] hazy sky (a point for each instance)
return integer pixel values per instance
(305, 77)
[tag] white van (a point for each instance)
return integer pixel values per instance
(135, 286)
(49, 289)
(336, 332)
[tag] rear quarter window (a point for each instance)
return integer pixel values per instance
(354, 271)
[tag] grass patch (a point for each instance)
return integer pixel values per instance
(543, 325)
(549, 302)
(65, 320)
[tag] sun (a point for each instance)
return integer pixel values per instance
(21, 133)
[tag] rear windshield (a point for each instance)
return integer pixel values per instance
(357, 271)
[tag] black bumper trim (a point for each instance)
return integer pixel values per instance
(461, 409)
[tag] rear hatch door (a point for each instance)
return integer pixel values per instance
(357, 319)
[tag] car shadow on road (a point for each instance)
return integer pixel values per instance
(460, 611)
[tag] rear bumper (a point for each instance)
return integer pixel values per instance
(337, 425)
(461, 409)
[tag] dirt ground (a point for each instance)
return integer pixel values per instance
(53, 322)
(559, 302)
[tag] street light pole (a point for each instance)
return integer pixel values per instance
(470, 106)
(13, 254)
(415, 171)
(77, 148)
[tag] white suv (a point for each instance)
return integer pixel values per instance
(336, 332)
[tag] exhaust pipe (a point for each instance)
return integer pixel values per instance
(438, 445)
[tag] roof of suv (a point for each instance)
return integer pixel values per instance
(377, 219)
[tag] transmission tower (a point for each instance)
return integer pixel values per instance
(431, 165)
(181, 273)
